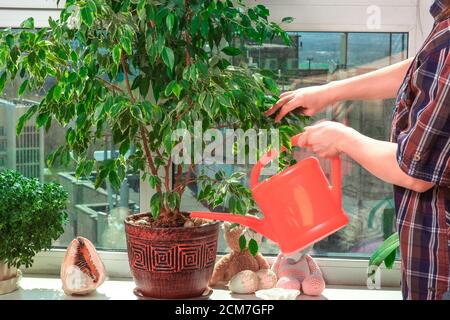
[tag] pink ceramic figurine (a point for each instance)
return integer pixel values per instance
(299, 271)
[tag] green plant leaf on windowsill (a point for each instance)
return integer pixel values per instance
(386, 252)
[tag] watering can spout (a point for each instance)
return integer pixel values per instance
(254, 223)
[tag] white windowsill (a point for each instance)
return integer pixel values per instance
(49, 288)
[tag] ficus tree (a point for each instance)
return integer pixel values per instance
(138, 70)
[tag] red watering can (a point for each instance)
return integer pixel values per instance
(299, 206)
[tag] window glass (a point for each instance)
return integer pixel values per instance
(317, 58)
(314, 58)
(95, 214)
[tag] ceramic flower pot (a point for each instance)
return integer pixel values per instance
(9, 279)
(171, 263)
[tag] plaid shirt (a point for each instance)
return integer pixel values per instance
(421, 127)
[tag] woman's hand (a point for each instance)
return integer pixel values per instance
(325, 138)
(310, 100)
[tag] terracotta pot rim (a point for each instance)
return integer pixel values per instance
(127, 222)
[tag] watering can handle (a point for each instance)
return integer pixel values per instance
(336, 188)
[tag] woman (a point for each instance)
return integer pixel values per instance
(416, 161)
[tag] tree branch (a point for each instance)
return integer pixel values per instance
(110, 85)
(149, 156)
(167, 173)
(187, 180)
(187, 35)
(125, 73)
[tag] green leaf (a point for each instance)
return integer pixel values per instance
(204, 28)
(25, 117)
(173, 199)
(121, 171)
(225, 101)
(57, 91)
(87, 16)
(28, 24)
(126, 44)
(22, 88)
(287, 20)
(170, 21)
(70, 136)
(88, 167)
(2, 81)
(177, 90)
(153, 181)
(116, 53)
(169, 88)
(168, 57)
(195, 24)
(390, 260)
(385, 250)
(155, 205)
(41, 119)
(124, 147)
(114, 179)
(79, 170)
(10, 40)
(253, 247)
(231, 51)
(167, 140)
(242, 242)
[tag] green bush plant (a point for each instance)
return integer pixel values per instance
(32, 215)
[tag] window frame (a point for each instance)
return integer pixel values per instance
(312, 15)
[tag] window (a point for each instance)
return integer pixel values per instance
(315, 58)
(95, 214)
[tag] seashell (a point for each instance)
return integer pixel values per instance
(244, 282)
(142, 222)
(82, 271)
(267, 279)
(277, 294)
(189, 224)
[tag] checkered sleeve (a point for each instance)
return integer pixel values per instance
(424, 147)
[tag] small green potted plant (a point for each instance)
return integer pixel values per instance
(32, 215)
(139, 70)
(387, 251)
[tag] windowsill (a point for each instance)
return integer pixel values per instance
(35, 287)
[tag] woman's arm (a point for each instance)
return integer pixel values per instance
(380, 159)
(379, 84)
(328, 139)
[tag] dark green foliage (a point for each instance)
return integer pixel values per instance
(32, 215)
(173, 56)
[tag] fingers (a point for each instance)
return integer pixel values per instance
(287, 93)
(303, 140)
(283, 100)
(288, 107)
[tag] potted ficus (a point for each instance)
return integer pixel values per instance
(138, 70)
(32, 215)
